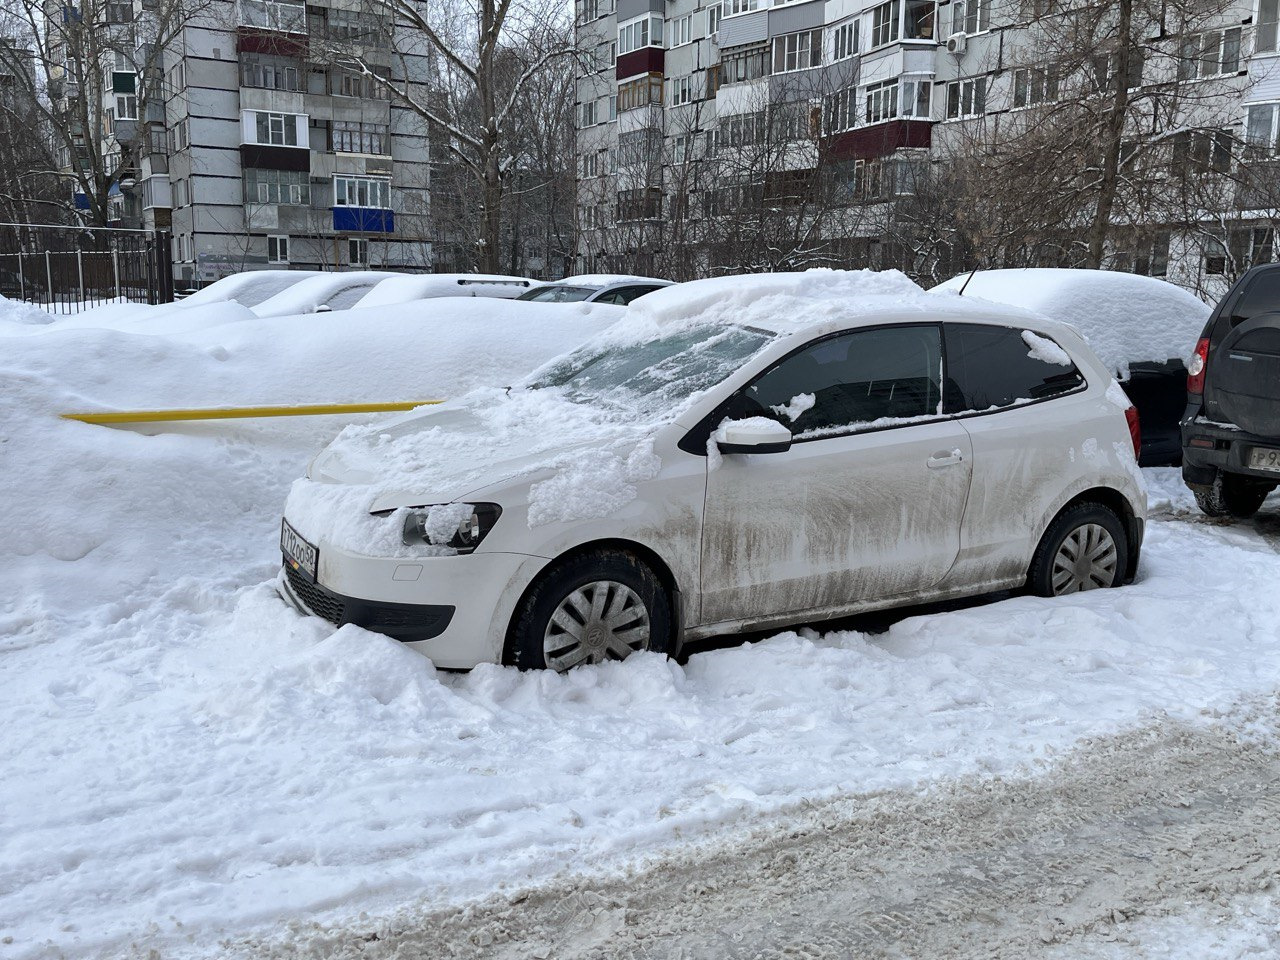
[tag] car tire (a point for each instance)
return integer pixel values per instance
(1230, 496)
(1084, 548)
(596, 606)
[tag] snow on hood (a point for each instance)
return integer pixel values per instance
(1125, 318)
(584, 460)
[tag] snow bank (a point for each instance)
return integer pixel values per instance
(1126, 318)
(249, 288)
(20, 312)
(404, 289)
(338, 291)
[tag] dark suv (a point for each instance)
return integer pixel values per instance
(1231, 427)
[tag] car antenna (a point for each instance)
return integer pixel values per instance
(972, 273)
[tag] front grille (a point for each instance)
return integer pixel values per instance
(419, 619)
(318, 600)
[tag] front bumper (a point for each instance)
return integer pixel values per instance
(454, 610)
(1209, 447)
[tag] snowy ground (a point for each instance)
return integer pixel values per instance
(186, 760)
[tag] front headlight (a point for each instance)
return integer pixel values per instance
(459, 526)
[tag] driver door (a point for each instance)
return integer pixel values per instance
(868, 501)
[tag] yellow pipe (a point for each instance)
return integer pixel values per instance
(235, 413)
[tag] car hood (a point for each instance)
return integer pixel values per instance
(466, 449)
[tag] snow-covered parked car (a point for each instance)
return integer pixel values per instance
(323, 293)
(1143, 328)
(249, 288)
(742, 452)
(595, 288)
(430, 286)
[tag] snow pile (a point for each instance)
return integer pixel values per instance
(403, 289)
(605, 279)
(1045, 350)
(337, 291)
(18, 311)
(1125, 317)
(249, 288)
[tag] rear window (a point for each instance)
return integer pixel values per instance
(993, 367)
(1261, 296)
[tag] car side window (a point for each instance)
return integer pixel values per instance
(634, 293)
(836, 385)
(990, 367)
(613, 296)
(1262, 295)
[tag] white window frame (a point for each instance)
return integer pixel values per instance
(590, 113)
(1267, 27)
(886, 30)
(1033, 86)
(792, 52)
(277, 248)
(681, 91)
(970, 17)
(844, 41)
(1198, 61)
(967, 97)
(377, 192)
(281, 128)
(358, 251)
(126, 106)
(640, 32)
(1270, 141)
(881, 101)
(681, 31)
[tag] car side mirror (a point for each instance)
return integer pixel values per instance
(754, 435)
(323, 308)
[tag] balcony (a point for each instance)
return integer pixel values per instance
(273, 15)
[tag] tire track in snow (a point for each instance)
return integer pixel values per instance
(1139, 824)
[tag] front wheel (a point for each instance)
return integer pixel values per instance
(1085, 548)
(601, 605)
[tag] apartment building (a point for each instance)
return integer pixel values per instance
(824, 114)
(257, 148)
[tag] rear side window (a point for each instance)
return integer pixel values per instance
(993, 367)
(1261, 296)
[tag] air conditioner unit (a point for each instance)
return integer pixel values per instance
(957, 43)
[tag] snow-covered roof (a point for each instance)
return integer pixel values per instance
(339, 291)
(1126, 318)
(404, 289)
(604, 280)
(249, 288)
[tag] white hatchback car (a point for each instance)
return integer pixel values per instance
(738, 453)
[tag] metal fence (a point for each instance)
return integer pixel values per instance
(68, 269)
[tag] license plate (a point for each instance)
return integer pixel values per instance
(1262, 458)
(297, 552)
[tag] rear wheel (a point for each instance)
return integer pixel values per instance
(1231, 496)
(1085, 548)
(602, 605)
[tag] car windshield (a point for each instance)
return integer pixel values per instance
(655, 376)
(556, 293)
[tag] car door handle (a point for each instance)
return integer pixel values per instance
(944, 459)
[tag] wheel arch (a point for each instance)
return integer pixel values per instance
(1117, 503)
(650, 557)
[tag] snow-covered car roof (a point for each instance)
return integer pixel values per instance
(405, 289)
(338, 291)
(604, 280)
(1126, 318)
(249, 288)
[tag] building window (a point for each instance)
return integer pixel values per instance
(612, 100)
(914, 100)
(277, 249)
(290, 187)
(886, 23)
(882, 101)
(180, 135)
(1268, 16)
(970, 16)
(270, 76)
(681, 91)
(372, 192)
(966, 98)
(345, 83)
(1202, 151)
(126, 107)
(276, 129)
(358, 251)
(590, 9)
(842, 111)
(356, 26)
(641, 33)
(589, 114)
(742, 130)
(1032, 85)
(743, 65)
(1212, 54)
(640, 93)
(731, 7)
(797, 51)
(682, 30)
(1262, 127)
(352, 136)
(713, 20)
(1106, 66)
(844, 40)
(590, 164)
